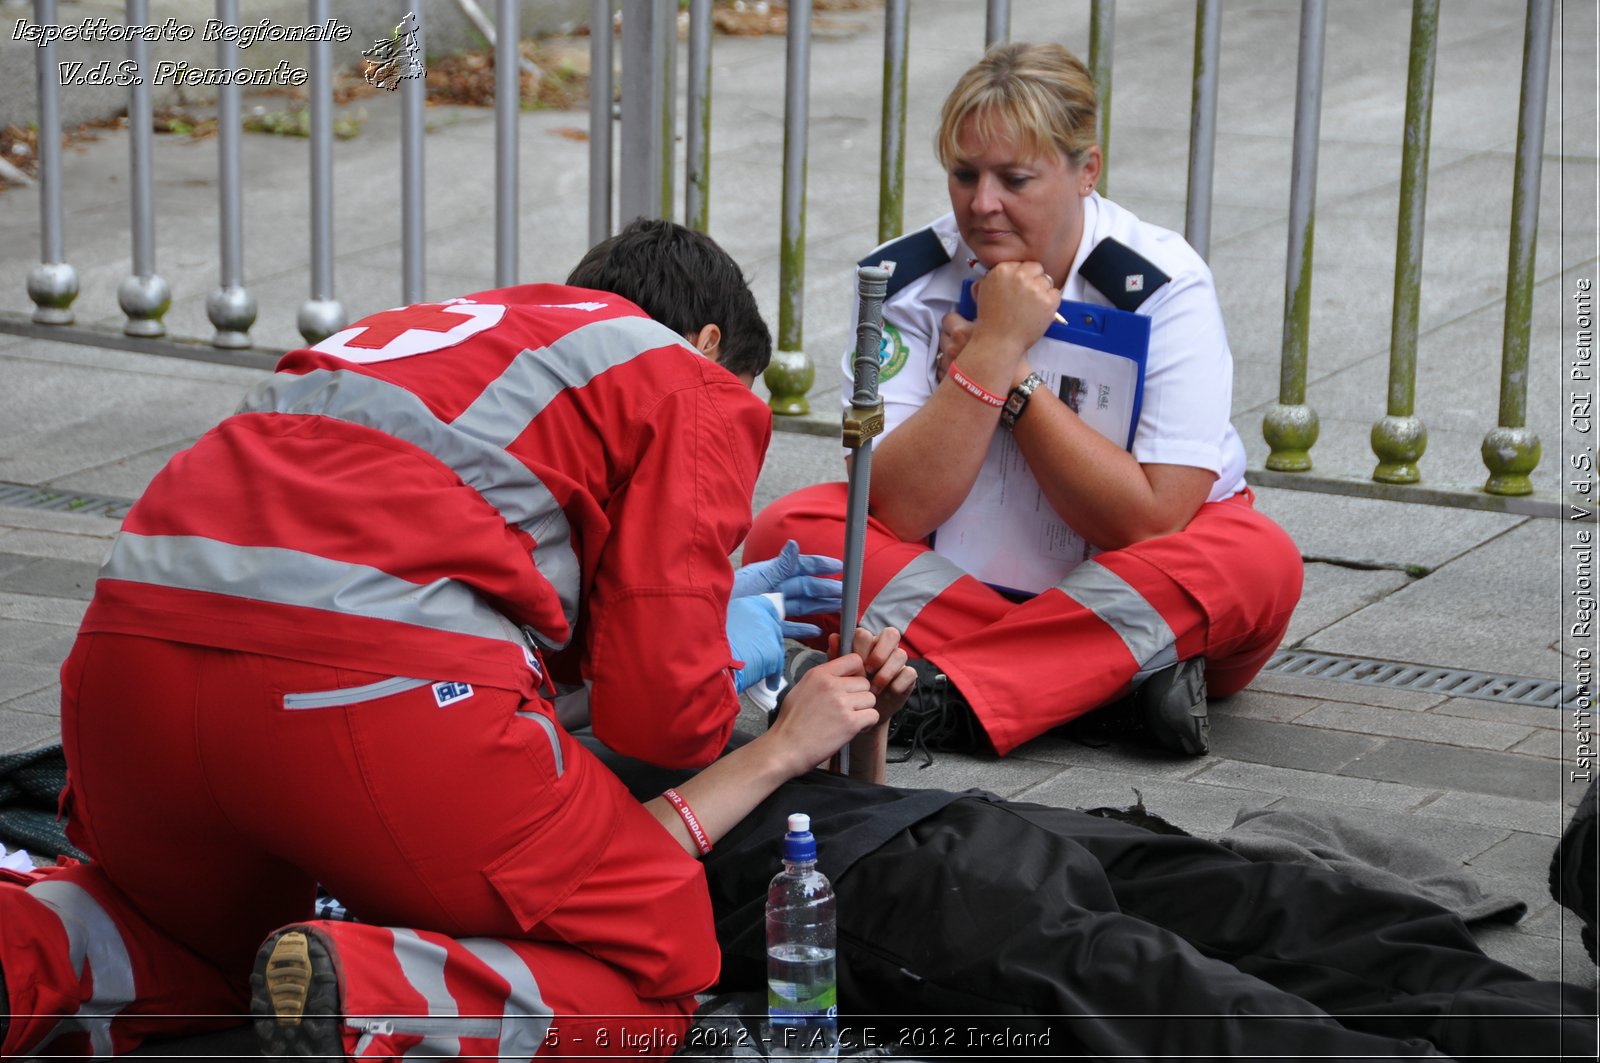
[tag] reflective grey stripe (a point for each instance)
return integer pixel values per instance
(527, 1016)
(329, 699)
(913, 587)
(535, 377)
(508, 485)
(550, 733)
(291, 577)
(1107, 595)
(422, 963)
(91, 935)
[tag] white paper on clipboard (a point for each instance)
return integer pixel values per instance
(1005, 532)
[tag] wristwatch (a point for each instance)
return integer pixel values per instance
(1017, 401)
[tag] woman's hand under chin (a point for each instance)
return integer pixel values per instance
(1017, 301)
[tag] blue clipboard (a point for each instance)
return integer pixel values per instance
(1099, 328)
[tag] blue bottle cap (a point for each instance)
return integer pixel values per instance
(799, 843)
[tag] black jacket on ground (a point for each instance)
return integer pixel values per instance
(970, 925)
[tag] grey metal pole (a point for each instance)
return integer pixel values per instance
(862, 422)
(1399, 438)
(697, 160)
(666, 46)
(1511, 450)
(600, 92)
(997, 23)
(790, 374)
(231, 307)
(892, 158)
(1102, 23)
(144, 296)
(1291, 426)
(1203, 125)
(52, 284)
(643, 150)
(321, 315)
(507, 109)
(413, 100)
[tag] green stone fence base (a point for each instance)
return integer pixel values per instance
(1510, 455)
(789, 377)
(1398, 442)
(1291, 431)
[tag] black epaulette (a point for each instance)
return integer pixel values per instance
(908, 258)
(1121, 274)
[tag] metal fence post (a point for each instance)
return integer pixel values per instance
(645, 26)
(697, 152)
(601, 33)
(1102, 22)
(507, 110)
(1400, 438)
(231, 307)
(892, 157)
(52, 284)
(1291, 426)
(1203, 125)
(321, 315)
(667, 99)
(996, 23)
(1511, 451)
(413, 101)
(143, 296)
(791, 372)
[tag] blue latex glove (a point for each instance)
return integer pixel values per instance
(755, 637)
(803, 581)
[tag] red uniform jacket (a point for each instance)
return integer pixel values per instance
(444, 490)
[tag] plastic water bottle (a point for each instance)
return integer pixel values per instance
(802, 922)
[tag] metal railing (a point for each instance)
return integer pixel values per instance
(1510, 449)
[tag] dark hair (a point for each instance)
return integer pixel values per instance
(683, 280)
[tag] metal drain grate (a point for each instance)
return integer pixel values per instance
(1509, 689)
(27, 496)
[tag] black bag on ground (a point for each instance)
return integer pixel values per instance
(30, 793)
(1575, 867)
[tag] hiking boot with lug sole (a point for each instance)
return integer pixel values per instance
(294, 996)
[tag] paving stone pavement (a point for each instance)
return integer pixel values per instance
(1483, 782)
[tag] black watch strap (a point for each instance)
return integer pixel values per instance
(1017, 401)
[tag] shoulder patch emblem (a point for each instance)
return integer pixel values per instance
(1118, 272)
(892, 352)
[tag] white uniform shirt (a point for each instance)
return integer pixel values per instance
(1188, 389)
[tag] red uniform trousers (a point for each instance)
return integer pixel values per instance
(214, 789)
(1222, 588)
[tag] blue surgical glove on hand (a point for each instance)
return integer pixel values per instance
(803, 581)
(755, 636)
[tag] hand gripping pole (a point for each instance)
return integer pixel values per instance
(862, 422)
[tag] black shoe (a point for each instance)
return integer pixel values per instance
(1171, 708)
(294, 996)
(935, 716)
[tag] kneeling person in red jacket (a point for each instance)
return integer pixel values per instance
(317, 654)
